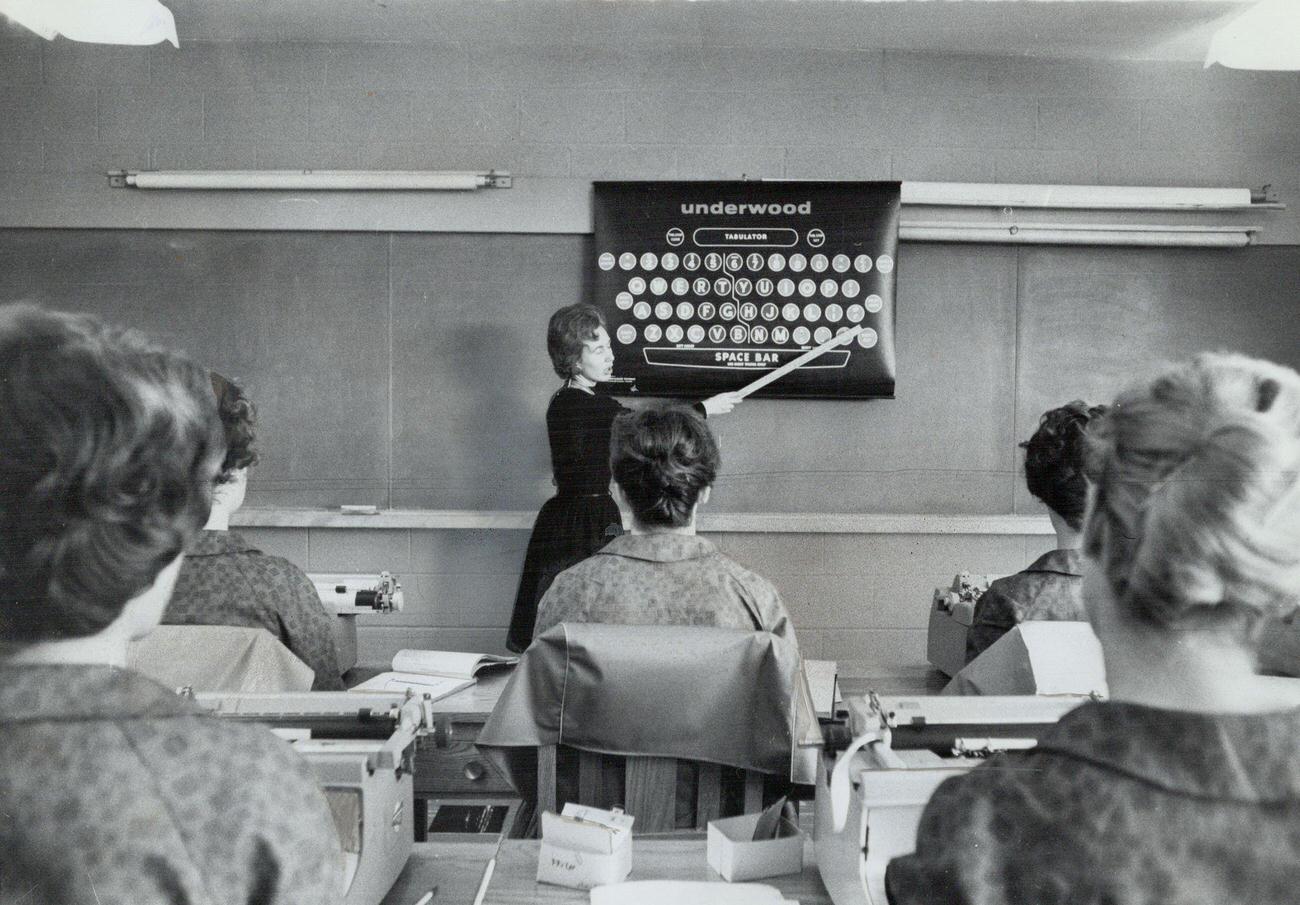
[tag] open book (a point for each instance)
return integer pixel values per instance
(436, 673)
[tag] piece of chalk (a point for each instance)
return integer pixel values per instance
(359, 510)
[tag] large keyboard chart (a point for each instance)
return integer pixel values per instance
(706, 286)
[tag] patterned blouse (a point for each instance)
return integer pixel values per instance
(226, 581)
(1051, 588)
(1119, 804)
(663, 579)
(116, 791)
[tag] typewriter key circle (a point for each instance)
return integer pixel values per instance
(738, 334)
(885, 264)
(758, 333)
(829, 289)
(867, 338)
(707, 310)
(664, 310)
(812, 312)
(669, 260)
(641, 311)
(769, 311)
(674, 333)
(727, 311)
(626, 334)
(695, 333)
(785, 288)
(722, 286)
(850, 288)
(748, 311)
(681, 285)
(816, 238)
(873, 303)
(754, 261)
(744, 286)
(780, 335)
(653, 333)
(735, 262)
(636, 285)
(713, 261)
(763, 286)
(856, 313)
(685, 310)
(790, 312)
(776, 261)
(649, 261)
(841, 263)
(623, 300)
(658, 285)
(801, 336)
(717, 333)
(691, 261)
(675, 236)
(606, 261)
(862, 263)
(701, 286)
(818, 263)
(834, 313)
(798, 262)
(822, 334)
(807, 288)
(627, 260)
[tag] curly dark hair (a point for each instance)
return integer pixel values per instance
(663, 456)
(110, 448)
(1056, 459)
(238, 417)
(568, 329)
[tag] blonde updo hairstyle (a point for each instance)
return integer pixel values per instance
(1195, 513)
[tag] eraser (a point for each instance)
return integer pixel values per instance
(359, 510)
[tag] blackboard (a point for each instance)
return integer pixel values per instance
(410, 370)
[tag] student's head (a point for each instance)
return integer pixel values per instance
(238, 420)
(579, 344)
(1195, 518)
(664, 459)
(1055, 457)
(110, 445)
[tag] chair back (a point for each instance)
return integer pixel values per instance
(218, 658)
(731, 702)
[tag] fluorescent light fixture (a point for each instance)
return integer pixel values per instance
(95, 21)
(1266, 36)
(1193, 236)
(311, 180)
(1094, 197)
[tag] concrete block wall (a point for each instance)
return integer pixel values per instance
(615, 106)
(859, 597)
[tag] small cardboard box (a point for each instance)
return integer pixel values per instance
(585, 847)
(733, 852)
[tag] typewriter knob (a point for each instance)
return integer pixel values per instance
(474, 771)
(442, 731)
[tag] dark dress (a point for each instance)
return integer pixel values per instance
(581, 517)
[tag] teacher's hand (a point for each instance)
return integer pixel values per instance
(721, 403)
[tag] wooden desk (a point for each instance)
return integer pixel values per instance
(456, 868)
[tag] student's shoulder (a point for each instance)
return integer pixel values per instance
(744, 575)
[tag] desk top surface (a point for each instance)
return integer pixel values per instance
(456, 867)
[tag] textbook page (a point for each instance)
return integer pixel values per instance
(447, 663)
(436, 687)
(823, 684)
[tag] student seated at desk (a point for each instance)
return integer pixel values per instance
(227, 581)
(1049, 588)
(1185, 787)
(664, 461)
(114, 789)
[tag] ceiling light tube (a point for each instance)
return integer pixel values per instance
(1095, 197)
(1078, 234)
(310, 180)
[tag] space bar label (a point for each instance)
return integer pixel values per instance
(731, 359)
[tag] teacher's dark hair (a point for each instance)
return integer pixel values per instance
(238, 419)
(663, 456)
(568, 329)
(110, 447)
(1056, 459)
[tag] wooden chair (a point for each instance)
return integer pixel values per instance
(649, 788)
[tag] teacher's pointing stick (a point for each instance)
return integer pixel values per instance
(839, 340)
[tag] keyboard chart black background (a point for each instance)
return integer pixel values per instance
(656, 352)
